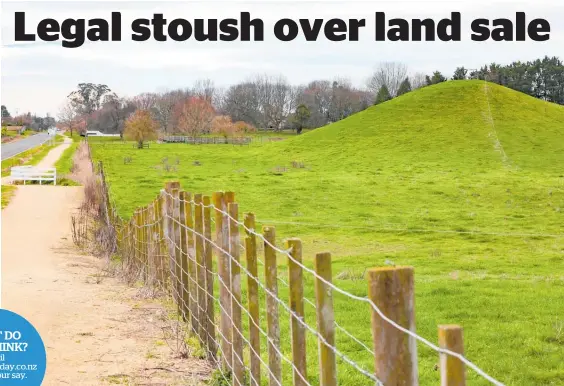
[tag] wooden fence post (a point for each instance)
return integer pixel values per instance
(137, 244)
(391, 289)
(151, 243)
(167, 227)
(124, 233)
(161, 243)
(238, 364)
(133, 240)
(156, 242)
(253, 299)
(130, 251)
(224, 284)
(273, 325)
(145, 243)
(325, 320)
(129, 244)
(200, 273)
(228, 197)
(141, 244)
(453, 371)
(177, 247)
(295, 277)
(184, 234)
(210, 300)
(192, 278)
(163, 251)
(171, 217)
(107, 206)
(147, 239)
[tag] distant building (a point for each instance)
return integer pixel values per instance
(96, 133)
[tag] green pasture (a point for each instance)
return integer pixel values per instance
(462, 180)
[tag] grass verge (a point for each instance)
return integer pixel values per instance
(7, 193)
(65, 163)
(29, 157)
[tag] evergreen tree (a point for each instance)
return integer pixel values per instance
(383, 95)
(541, 78)
(460, 73)
(301, 117)
(436, 78)
(404, 87)
(5, 112)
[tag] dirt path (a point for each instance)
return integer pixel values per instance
(53, 156)
(96, 330)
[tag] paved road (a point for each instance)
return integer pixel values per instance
(10, 149)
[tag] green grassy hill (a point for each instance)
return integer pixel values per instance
(419, 180)
(446, 126)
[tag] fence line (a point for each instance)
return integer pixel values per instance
(207, 140)
(372, 304)
(168, 245)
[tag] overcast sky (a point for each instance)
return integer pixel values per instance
(38, 76)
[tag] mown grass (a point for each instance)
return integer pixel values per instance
(64, 166)
(418, 181)
(7, 193)
(65, 163)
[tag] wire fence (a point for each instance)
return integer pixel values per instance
(207, 140)
(257, 328)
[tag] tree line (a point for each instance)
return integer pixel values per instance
(271, 102)
(540, 78)
(30, 121)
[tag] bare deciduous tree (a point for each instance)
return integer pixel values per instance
(331, 101)
(164, 108)
(68, 117)
(276, 99)
(417, 80)
(145, 101)
(389, 74)
(204, 88)
(241, 102)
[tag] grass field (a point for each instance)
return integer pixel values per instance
(475, 204)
